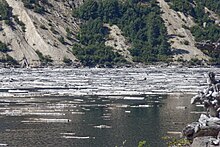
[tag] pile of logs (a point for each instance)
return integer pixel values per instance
(206, 132)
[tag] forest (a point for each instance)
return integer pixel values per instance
(139, 21)
(5, 11)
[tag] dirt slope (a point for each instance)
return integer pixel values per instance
(181, 39)
(42, 33)
(117, 41)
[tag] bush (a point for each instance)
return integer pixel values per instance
(186, 42)
(67, 61)
(36, 5)
(195, 61)
(68, 33)
(53, 30)
(8, 59)
(3, 47)
(23, 27)
(61, 39)
(43, 27)
(99, 54)
(5, 10)
(44, 59)
(176, 142)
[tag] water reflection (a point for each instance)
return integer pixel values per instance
(93, 121)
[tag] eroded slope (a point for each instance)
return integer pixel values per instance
(44, 33)
(181, 39)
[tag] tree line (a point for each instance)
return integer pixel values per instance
(139, 21)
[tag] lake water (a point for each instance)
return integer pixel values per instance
(92, 110)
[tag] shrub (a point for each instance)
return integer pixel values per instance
(53, 30)
(186, 42)
(44, 59)
(8, 59)
(43, 27)
(5, 11)
(3, 47)
(61, 39)
(67, 61)
(36, 5)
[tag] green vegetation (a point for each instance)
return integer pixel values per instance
(5, 11)
(6, 15)
(213, 5)
(36, 5)
(186, 42)
(176, 142)
(194, 62)
(206, 29)
(67, 61)
(140, 22)
(143, 144)
(43, 27)
(53, 30)
(99, 54)
(68, 33)
(215, 54)
(61, 39)
(3, 47)
(140, 144)
(20, 23)
(45, 60)
(210, 32)
(9, 60)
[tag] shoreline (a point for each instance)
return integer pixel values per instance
(138, 65)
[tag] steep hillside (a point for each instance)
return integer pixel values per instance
(40, 38)
(206, 29)
(118, 42)
(107, 33)
(181, 38)
(140, 23)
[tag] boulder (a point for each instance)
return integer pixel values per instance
(205, 141)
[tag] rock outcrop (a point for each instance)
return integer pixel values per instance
(208, 126)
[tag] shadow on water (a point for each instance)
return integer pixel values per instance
(104, 121)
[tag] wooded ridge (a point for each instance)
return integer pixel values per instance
(103, 33)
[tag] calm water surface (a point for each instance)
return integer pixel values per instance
(92, 121)
(155, 104)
